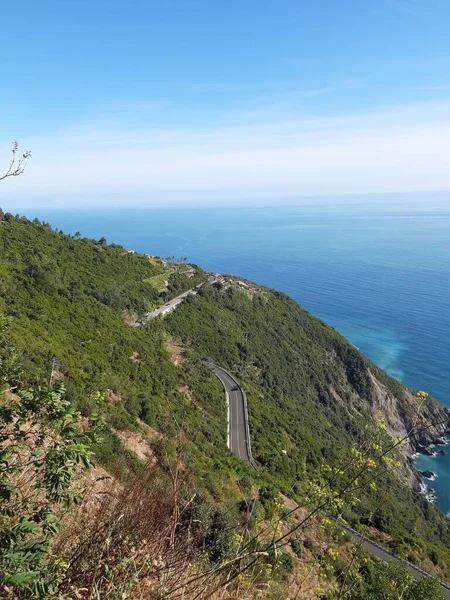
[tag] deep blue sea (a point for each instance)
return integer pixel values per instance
(379, 273)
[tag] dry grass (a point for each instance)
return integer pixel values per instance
(133, 441)
(177, 353)
(120, 547)
(130, 317)
(139, 541)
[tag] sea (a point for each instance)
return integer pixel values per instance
(378, 270)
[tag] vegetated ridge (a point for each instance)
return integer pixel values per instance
(316, 403)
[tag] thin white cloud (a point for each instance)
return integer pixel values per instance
(400, 149)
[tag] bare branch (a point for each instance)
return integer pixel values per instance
(18, 162)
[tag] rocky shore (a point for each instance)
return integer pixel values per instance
(428, 475)
(429, 450)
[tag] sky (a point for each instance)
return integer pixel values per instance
(224, 102)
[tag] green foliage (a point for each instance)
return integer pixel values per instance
(183, 279)
(43, 445)
(390, 582)
(69, 300)
(310, 395)
(10, 369)
(296, 547)
(310, 392)
(218, 535)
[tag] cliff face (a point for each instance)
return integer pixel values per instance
(427, 420)
(420, 422)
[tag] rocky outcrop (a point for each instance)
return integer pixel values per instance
(426, 451)
(421, 422)
(428, 475)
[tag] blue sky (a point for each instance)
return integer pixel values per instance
(224, 101)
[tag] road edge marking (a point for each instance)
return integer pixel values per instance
(228, 419)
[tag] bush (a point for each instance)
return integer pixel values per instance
(41, 437)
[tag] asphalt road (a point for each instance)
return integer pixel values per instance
(168, 307)
(172, 304)
(386, 556)
(239, 443)
(238, 434)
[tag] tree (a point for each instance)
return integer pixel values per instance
(18, 162)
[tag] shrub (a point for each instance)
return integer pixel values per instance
(43, 448)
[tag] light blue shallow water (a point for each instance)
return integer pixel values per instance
(381, 276)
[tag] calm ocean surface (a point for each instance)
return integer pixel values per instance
(380, 275)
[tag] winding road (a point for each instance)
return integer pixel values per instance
(238, 439)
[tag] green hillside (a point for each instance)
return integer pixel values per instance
(315, 402)
(310, 396)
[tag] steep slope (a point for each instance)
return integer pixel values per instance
(270, 341)
(311, 394)
(71, 303)
(313, 397)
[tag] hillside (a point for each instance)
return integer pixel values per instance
(318, 408)
(311, 394)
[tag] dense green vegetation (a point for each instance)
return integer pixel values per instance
(43, 447)
(391, 582)
(310, 393)
(71, 300)
(72, 303)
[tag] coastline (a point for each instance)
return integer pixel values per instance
(289, 249)
(426, 475)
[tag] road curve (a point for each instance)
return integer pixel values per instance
(239, 442)
(238, 437)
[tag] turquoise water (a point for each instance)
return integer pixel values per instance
(441, 486)
(380, 275)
